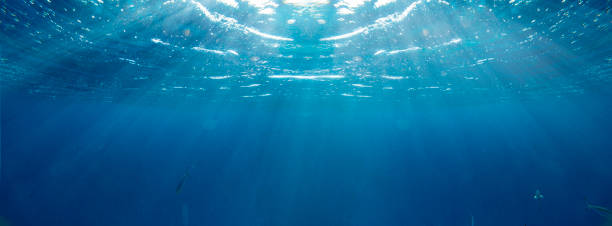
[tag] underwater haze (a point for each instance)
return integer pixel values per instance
(306, 112)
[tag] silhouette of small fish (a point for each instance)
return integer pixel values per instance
(602, 211)
(179, 187)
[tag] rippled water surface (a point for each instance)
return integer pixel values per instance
(381, 49)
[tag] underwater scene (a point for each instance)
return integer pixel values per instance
(306, 112)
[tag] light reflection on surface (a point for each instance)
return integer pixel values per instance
(502, 48)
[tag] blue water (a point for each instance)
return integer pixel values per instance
(312, 112)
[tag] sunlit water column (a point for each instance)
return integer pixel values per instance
(0, 134)
(185, 214)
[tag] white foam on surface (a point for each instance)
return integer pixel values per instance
(218, 52)
(378, 24)
(159, 41)
(381, 3)
(306, 77)
(230, 3)
(306, 3)
(219, 77)
(233, 23)
(392, 77)
(347, 35)
(415, 48)
(251, 85)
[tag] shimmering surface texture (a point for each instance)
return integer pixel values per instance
(304, 112)
(387, 50)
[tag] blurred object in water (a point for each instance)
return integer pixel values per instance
(538, 195)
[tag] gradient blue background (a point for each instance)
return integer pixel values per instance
(71, 162)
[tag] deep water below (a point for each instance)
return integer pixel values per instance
(76, 162)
